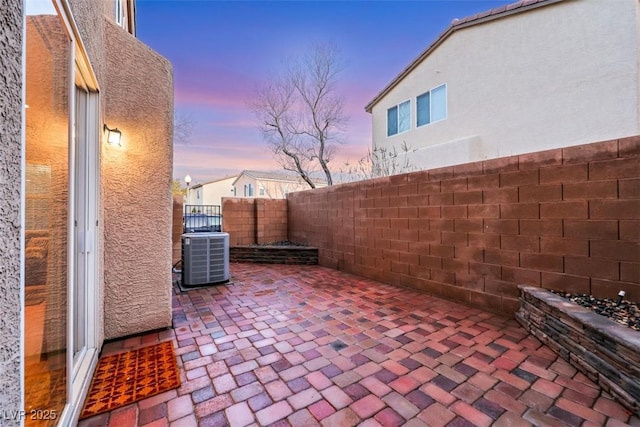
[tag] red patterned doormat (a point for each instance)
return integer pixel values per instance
(124, 378)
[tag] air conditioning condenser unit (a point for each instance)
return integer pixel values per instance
(205, 259)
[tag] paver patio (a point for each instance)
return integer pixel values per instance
(307, 345)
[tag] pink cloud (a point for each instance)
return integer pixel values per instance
(213, 86)
(226, 139)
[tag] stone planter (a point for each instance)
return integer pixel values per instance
(297, 255)
(603, 350)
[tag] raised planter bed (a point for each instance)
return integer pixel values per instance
(298, 255)
(606, 352)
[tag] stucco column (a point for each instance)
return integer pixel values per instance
(11, 381)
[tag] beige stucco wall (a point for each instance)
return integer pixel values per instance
(213, 192)
(136, 186)
(11, 301)
(131, 77)
(241, 182)
(194, 195)
(273, 189)
(558, 75)
(90, 18)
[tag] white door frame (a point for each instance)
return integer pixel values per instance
(85, 235)
(79, 376)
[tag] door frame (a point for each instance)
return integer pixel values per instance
(79, 377)
(82, 369)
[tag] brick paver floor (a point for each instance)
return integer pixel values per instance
(307, 346)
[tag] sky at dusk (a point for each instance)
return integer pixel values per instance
(221, 51)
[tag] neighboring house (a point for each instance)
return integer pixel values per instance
(271, 185)
(212, 192)
(82, 201)
(194, 195)
(530, 76)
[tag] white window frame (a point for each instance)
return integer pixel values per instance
(120, 13)
(397, 107)
(446, 105)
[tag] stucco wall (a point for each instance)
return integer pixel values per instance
(273, 188)
(277, 189)
(11, 381)
(89, 18)
(565, 219)
(136, 185)
(243, 181)
(213, 192)
(559, 75)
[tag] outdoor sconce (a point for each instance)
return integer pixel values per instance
(114, 136)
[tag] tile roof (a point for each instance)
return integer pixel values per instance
(279, 176)
(276, 176)
(457, 24)
(215, 180)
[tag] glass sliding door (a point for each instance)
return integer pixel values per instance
(85, 233)
(81, 230)
(62, 137)
(47, 198)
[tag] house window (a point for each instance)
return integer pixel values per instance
(250, 190)
(261, 190)
(245, 190)
(198, 194)
(431, 106)
(399, 118)
(120, 12)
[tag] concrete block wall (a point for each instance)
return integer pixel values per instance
(238, 219)
(292, 255)
(271, 220)
(250, 221)
(564, 219)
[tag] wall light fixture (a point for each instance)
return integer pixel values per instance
(114, 136)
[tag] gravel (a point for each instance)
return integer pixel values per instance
(626, 313)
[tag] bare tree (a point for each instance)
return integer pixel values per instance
(300, 114)
(273, 106)
(182, 128)
(379, 162)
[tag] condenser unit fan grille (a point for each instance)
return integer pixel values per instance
(205, 258)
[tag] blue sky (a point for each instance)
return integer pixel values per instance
(221, 50)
